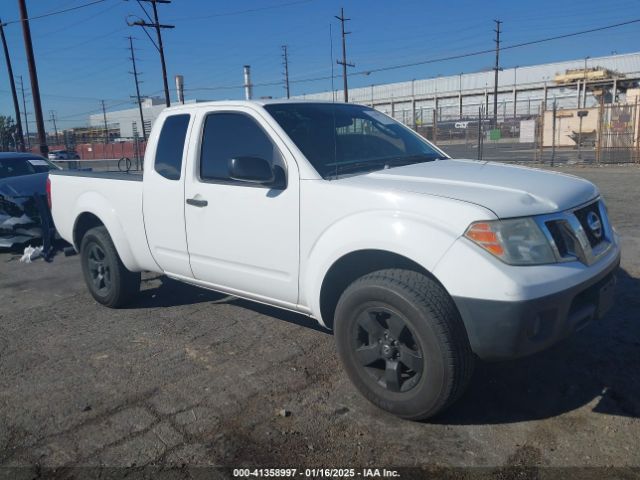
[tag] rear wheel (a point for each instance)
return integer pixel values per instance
(403, 343)
(108, 280)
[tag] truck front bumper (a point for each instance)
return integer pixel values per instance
(508, 329)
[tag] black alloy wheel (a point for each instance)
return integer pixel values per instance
(99, 269)
(387, 350)
(108, 280)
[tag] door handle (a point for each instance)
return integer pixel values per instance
(197, 203)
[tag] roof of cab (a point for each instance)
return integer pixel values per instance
(260, 102)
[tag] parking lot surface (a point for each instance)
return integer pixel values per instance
(188, 376)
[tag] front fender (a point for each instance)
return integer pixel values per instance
(96, 204)
(405, 234)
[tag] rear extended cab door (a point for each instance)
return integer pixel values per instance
(163, 191)
(243, 238)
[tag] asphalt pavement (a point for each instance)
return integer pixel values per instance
(186, 376)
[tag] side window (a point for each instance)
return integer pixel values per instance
(231, 135)
(170, 147)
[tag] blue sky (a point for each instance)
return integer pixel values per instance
(82, 55)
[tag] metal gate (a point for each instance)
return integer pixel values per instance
(617, 139)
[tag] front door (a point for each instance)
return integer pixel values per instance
(242, 237)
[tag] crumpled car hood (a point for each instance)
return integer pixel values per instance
(19, 215)
(507, 190)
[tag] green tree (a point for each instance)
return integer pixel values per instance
(7, 133)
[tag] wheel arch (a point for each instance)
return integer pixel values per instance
(352, 266)
(85, 222)
(101, 215)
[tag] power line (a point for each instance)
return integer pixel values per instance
(135, 77)
(14, 95)
(424, 62)
(158, 27)
(508, 47)
(241, 12)
(58, 12)
(78, 21)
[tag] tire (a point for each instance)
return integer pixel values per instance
(108, 280)
(424, 363)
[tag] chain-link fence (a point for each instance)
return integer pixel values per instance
(618, 134)
(603, 134)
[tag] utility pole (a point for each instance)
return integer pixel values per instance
(497, 69)
(285, 62)
(158, 26)
(52, 119)
(135, 77)
(344, 62)
(14, 95)
(26, 116)
(553, 131)
(106, 128)
(33, 75)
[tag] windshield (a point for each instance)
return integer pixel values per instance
(342, 138)
(15, 167)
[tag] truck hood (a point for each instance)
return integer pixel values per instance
(507, 190)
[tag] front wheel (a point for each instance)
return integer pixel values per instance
(403, 343)
(108, 280)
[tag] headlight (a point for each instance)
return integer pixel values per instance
(517, 241)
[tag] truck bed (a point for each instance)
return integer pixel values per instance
(115, 198)
(128, 176)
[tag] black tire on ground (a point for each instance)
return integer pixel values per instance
(403, 343)
(108, 280)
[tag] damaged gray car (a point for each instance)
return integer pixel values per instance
(24, 214)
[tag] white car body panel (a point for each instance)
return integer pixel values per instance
(491, 279)
(507, 190)
(164, 207)
(247, 237)
(118, 204)
(341, 218)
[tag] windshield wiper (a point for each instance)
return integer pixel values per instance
(410, 159)
(378, 163)
(364, 165)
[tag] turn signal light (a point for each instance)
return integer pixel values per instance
(483, 234)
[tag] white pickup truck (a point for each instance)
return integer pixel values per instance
(417, 262)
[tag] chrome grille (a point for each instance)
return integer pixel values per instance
(575, 234)
(584, 215)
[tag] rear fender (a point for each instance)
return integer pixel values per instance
(96, 204)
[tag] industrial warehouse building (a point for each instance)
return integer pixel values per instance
(522, 91)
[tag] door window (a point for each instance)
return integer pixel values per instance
(231, 135)
(168, 162)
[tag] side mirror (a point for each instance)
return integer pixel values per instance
(251, 170)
